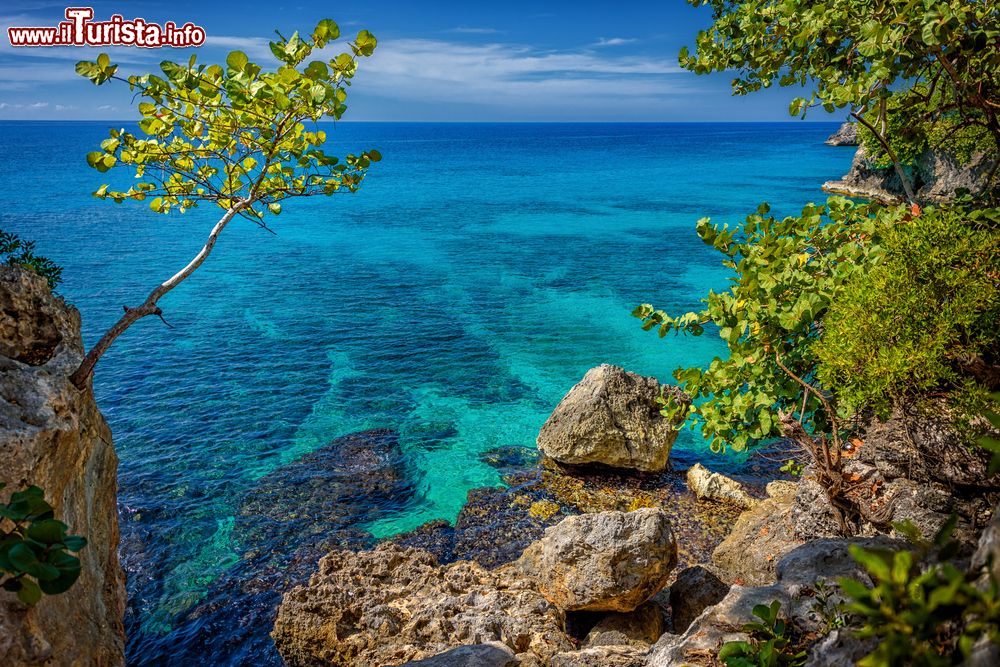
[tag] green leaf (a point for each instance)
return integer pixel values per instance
(48, 531)
(237, 60)
(29, 592)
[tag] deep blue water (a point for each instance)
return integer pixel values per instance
(480, 271)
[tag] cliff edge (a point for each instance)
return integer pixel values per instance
(53, 436)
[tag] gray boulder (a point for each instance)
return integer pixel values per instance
(611, 417)
(695, 589)
(609, 561)
(708, 485)
(749, 554)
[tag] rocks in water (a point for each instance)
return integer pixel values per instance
(52, 435)
(760, 537)
(391, 605)
(610, 561)
(936, 176)
(291, 518)
(708, 485)
(491, 654)
(612, 417)
(641, 628)
(846, 135)
(601, 656)
(695, 589)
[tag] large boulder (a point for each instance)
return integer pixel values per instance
(708, 485)
(609, 561)
(612, 417)
(394, 604)
(846, 135)
(53, 436)
(749, 555)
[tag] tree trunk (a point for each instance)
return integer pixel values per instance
(149, 307)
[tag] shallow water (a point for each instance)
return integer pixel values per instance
(481, 270)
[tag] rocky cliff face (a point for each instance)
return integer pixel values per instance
(53, 436)
(936, 177)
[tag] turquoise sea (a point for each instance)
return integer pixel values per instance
(480, 271)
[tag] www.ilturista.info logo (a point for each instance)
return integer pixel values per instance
(80, 30)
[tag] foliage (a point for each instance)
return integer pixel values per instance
(243, 137)
(787, 274)
(927, 309)
(235, 135)
(923, 610)
(769, 645)
(792, 467)
(35, 549)
(17, 252)
(929, 60)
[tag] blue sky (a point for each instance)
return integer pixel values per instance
(436, 61)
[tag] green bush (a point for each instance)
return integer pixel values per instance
(34, 550)
(909, 326)
(923, 610)
(17, 252)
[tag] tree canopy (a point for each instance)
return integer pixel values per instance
(241, 136)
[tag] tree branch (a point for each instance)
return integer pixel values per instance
(132, 315)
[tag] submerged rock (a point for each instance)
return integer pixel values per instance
(52, 435)
(846, 135)
(391, 605)
(290, 519)
(611, 417)
(709, 485)
(611, 561)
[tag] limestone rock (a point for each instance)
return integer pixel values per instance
(846, 135)
(491, 654)
(609, 561)
(694, 589)
(391, 605)
(709, 485)
(53, 436)
(749, 555)
(641, 628)
(937, 176)
(781, 487)
(601, 656)
(611, 417)
(841, 648)
(988, 547)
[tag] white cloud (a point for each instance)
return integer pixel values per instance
(508, 75)
(65, 107)
(107, 107)
(613, 41)
(465, 30)
(38, 105)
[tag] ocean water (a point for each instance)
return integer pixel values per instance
(479, 272)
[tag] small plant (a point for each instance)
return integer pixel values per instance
(793, 468)
(826, 610)
(769, 644)
(923, 610)
(35, 549)
(18, 252)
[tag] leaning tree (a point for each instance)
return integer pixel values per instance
(241, 137)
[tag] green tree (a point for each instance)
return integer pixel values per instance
(240, 137)
(18, 252)
(912, 64)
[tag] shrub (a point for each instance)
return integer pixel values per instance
(17, 252)
(919, 318)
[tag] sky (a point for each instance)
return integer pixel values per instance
(470, 60)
